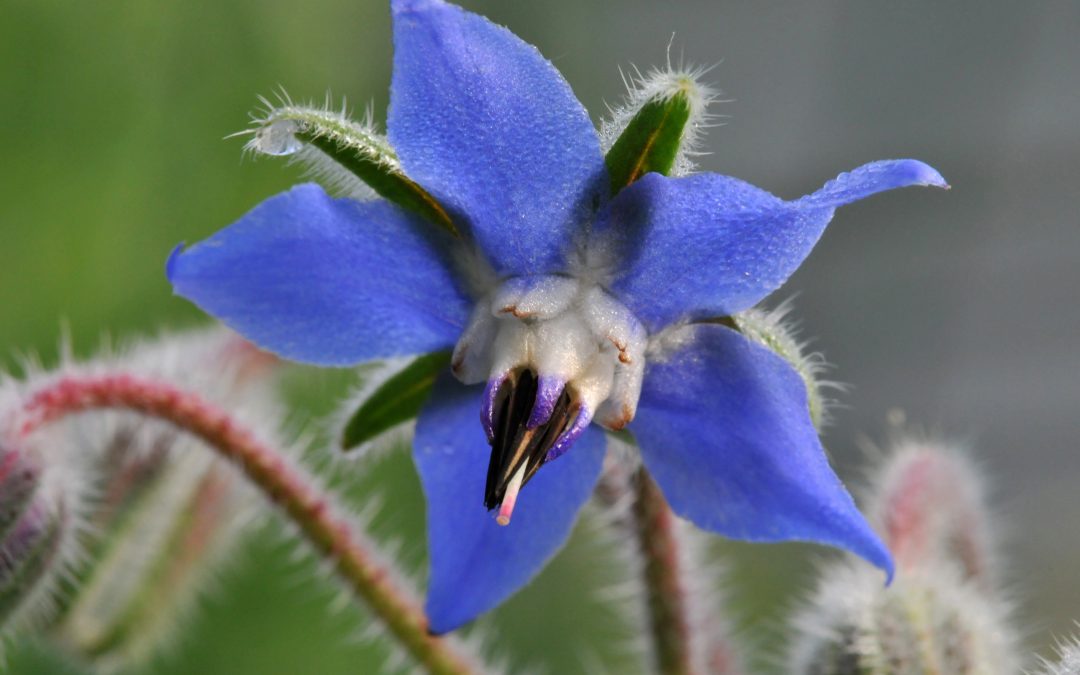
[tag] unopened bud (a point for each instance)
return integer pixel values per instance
(943, 613)
(37, 535)
(162, 548)
(169, 512)
(929, 504)
(929, 621)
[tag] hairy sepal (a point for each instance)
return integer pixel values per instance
(1068, 661)
(395, 401)
(158, 558)
(658, 128)
(773, 329)
(650, 141)
(339, 150)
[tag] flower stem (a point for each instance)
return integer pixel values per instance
(663, 575)
(283, 483)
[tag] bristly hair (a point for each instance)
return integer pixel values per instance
(62, 495)
(775, 329)
(275, 130)
(930, 620)
(1068, 659)
(661, 84)
(936, 490)
(371, 376)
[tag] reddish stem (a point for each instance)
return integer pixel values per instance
(665, 587)
(283, 483)
(686, 639)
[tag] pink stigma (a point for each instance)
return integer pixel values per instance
(510, 497)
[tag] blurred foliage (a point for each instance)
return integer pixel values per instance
(112, 127)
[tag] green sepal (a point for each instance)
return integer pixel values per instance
(771, 330)
(352, 146)
(396, 400)
(389, 183)
(650, 142)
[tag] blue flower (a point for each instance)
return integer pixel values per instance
(569, 312)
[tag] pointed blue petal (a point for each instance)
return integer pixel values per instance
(326, 281)
(870, 179)
(476, 563)
(725, 430)
(711, 245)
(493, 131)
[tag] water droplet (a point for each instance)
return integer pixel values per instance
(278, 138)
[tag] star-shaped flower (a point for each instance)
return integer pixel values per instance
(569, 311)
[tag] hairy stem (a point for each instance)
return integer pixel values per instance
(665, 587)
(285, 484)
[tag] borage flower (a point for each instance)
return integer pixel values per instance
(570, 310)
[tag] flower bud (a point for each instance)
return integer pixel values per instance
(156, 556)
(38, 539)
(169, 512)
(930, 505)
(928, 621)
(944, 612)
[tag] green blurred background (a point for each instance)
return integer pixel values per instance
(958, 308)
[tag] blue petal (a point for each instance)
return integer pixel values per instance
(484, 122)
(476, 563)
(326, 281)
(712, 245)
(725, 430)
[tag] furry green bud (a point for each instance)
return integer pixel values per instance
(944, 612)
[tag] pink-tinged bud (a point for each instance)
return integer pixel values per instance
(929, 505)
(944, 612)
(928, 621)
(172, 508)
